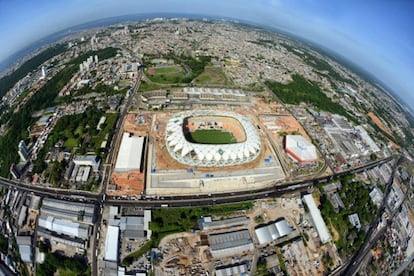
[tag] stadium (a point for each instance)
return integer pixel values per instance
(211, 138)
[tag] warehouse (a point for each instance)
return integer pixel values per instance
(132, 227)
(75, 211)
(317, 219)
(230, 243)
(300, 149)
(25, 248)
(237, 269)
(206, 223)
(130, 153)
(56, 238)
(273, 231)
(65, 227)
(112, 244)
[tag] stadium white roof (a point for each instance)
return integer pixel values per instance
(130, 153)
(111, 244)
(300, 148)
(317, 219)
(273, 231)
(211, 155)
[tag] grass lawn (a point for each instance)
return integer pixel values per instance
(147, 86)
(211, 75)
(66, 272)
(213, 136)
(71, 142)
(171, 74)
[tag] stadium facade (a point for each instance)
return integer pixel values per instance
(211, 155)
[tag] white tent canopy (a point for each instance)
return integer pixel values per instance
(211, 155)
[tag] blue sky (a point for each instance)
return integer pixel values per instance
(377, 35)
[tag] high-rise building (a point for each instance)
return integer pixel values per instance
(23, 151)
(44, 72)
(14, 171)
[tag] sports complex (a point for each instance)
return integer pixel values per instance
(202, 145)
(212, 138)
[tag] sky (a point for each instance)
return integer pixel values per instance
(378, 35)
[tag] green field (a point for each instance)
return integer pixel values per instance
(211, 75)
(149, 86)
(301, 90)
(170, 74)
(211, 136)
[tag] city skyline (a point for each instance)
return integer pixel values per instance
(374, 35)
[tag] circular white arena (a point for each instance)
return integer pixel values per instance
(211, 155)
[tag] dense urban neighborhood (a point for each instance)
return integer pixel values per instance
(201, 147)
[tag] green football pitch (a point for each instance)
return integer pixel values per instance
(211, 136)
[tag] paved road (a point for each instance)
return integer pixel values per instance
(177, 201)
(107, 172)
(373, 234)
(95, 197)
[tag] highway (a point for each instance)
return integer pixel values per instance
(173, 200)
(151, 201)
(107, 172)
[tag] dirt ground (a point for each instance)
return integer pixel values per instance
(164, 161)
(382, 126)
(128, 183)
(379, 123)
(284, 123)
(132, 182)
(137, 124)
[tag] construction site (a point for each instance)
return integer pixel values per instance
(128, 169)
(159, 153)
(233, 242)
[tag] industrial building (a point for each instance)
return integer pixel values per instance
(317, 219)
(74, 211)
(66, 222)
(211, 155)
(64, 227)
(300, 149)
(131, 227)
(232, 270)
(273, 231)
(25, 248)
(207, 224)
(130, 153)
(112, 244)
(230, 243)
(216, 94)
(87, 160)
